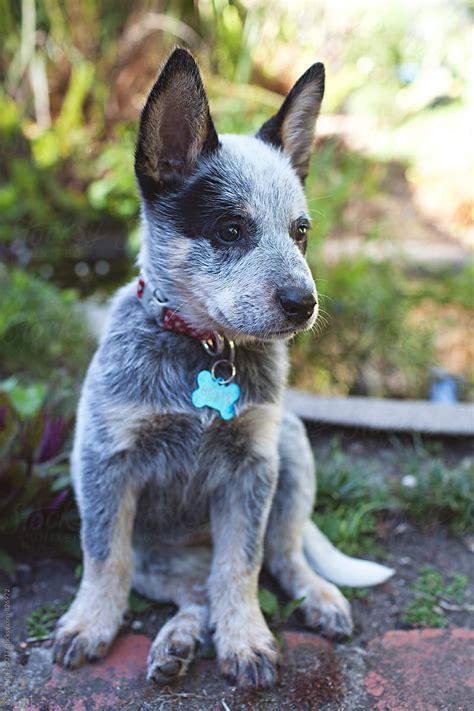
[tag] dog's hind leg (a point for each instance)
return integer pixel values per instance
(324, 607)
(176, 575)
(297, 553)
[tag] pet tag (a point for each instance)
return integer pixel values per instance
(217, 393)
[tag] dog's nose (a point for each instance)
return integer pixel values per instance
(298, 304)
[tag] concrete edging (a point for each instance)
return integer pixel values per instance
(380, 414)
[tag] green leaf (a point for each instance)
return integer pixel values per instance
(138, 604)
(26, 399)
(288, 610)
(268, 602)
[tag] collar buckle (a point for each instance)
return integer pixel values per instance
(152, 301)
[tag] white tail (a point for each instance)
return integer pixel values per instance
(337, 567)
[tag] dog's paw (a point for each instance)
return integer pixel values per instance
(327, 611)
(79, 639)
(174, 647)
(257, 670)
(168, 661)
(248, 655)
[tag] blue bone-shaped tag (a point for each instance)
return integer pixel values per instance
(216, 394)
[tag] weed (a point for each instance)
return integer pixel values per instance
(40, 624)
(431, 591)
(366, 345)
(275, 614)
(137, 603)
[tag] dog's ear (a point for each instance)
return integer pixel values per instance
(175, 126)
(292, 128)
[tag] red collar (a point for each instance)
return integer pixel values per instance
(156, 306)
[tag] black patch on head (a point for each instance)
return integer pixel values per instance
(203, 206)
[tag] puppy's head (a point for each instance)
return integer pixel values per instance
(225, 218)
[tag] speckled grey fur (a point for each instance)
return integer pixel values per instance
(139, 438)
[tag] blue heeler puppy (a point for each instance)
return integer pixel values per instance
(164, 466)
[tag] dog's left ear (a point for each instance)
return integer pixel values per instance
(292, 128)
(175, 126)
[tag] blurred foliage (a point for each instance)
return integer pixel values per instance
(42, 332)
(453, 287)
(366, 345)
(35, 496)
(75, 76)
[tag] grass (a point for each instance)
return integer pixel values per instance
(355, 492)
(432, 592)
(441, 493)
(351, 493)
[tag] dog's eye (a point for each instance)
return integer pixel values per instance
(229, 233)
(301, 232)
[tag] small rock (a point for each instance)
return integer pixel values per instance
(409, 481)
(401, 528)
(23, 573)
(39, 668)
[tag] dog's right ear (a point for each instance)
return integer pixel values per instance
(175, 126)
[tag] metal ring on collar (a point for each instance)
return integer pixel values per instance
(214, 346)
(223, 381)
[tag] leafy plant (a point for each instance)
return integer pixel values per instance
(41, 329)
(34, 466)
(137, 603)
(366, 346)
(432, 590)
(41, 622)
(276, 615)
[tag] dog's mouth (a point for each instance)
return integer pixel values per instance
(238, 332)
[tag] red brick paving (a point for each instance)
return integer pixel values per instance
(422, 670)
(310, 675)
(416, 670)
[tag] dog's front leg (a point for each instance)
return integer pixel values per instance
(245, 647)
(88, 628)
